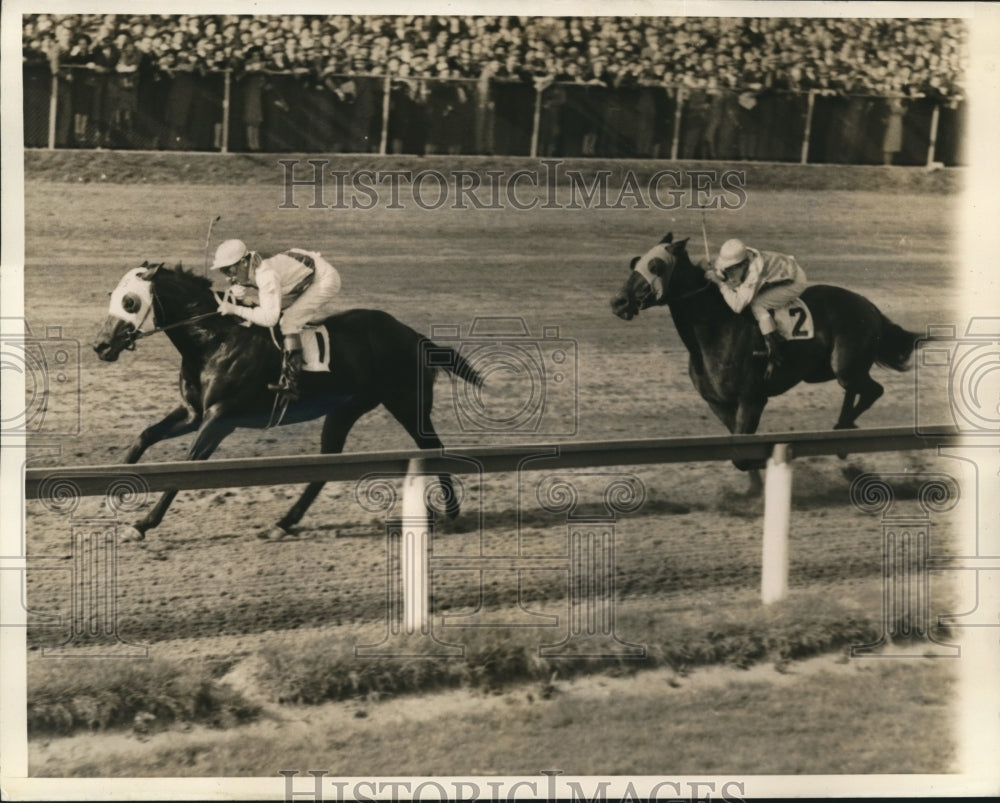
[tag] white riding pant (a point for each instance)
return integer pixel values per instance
(774, 297)
(316, 301)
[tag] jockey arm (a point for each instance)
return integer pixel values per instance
(765, 268)
(268, 313)
(739, 298)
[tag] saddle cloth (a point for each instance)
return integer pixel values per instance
(315, 348)
(794, 321)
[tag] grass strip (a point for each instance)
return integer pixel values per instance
(325, 667)
(66, 695)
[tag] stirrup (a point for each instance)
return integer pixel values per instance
(287, 386)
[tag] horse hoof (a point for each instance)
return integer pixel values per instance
(276, 533)
(128, 534)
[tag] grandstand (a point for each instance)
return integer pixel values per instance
(819, 90)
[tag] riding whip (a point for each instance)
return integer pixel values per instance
(208, 239)
(704, 236)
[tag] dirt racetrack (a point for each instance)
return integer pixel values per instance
(554, 268)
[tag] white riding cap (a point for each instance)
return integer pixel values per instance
(732, 253)
(229, 253)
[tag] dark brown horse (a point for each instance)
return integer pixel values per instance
(727, 364)
(226, 369)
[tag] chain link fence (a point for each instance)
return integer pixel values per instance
(301, 113)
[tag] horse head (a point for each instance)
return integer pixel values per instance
(649, 283)
(130, 307)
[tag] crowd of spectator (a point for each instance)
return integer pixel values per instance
(114, 66)
(877, 56)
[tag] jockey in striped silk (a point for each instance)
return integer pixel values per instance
(764, 280)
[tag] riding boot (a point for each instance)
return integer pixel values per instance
(773, 342)
(291, 369)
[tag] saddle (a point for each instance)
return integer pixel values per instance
(315, 346)
(794, 321)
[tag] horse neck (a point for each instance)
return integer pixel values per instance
(177, 300)
(701, 315)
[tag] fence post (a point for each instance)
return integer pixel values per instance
(385, 115)
(226, 89)
(808, 132)
(777, 516)
(53, 110)
(675, 142)
(415, 552)
(932, 145)
(536, 123)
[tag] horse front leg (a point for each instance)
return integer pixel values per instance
(213, 429)
(177, 422)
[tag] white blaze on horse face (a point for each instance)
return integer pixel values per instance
(659, 251)
(132, 299)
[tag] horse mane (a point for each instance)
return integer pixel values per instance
(696, 270)
(178, 276)
(177, 287)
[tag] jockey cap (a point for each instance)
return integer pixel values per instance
(229, 253)
(733, 252)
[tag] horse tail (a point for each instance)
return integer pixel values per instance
(453, 362)
(895, 346)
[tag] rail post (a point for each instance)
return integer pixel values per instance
(384, 139)
(675, 141)
(226, 98)
(807, 134)
(53, 109)
(416, 552)
(536, 122)
(932, 141)
(777, 517)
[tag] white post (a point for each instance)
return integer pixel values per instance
(804, 157)
(536, 123)
(675, 140)
(415, 555)
(384, 139)
(777, 516)
(53, 109)
(932, 143)
(226, 92)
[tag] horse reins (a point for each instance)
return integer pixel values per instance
(138, 333)
(278, 409)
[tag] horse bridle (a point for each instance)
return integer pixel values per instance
(137, 333)
(656, 285)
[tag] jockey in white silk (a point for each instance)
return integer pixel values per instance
(292, 288)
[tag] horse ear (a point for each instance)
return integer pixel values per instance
(145, 263)
(633, 263)
(668, 237)
(150, 271)
(179, 267)
(681, 245)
